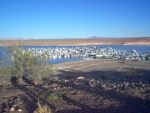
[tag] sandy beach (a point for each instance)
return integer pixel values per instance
(90, 67)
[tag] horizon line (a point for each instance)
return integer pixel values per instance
(94, 37)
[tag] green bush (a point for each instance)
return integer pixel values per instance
(56, 96)
(22, 63)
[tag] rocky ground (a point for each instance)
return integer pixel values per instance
(93, 86)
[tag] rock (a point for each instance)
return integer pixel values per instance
(114, 86)
(45, 86)
(66, 81)
(126, 84)
(54, 85)
(34, 83)
(73, 92)
(5, 100)
(6, 109)
(19, 110)
(54, 77)
(103, 85)
(10, 102)
(80, 78)
(55, 88)
(133, 84)
(92, 85)
(12, 109)
(141, 83)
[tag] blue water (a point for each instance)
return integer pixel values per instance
(139, 49)
(61, 60)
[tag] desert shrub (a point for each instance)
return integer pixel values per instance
(56, 96)
(42, 109)
(22, 63)
(52, 96)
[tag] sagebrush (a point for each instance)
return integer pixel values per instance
(23, 63)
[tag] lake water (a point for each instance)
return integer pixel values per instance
(139, 49)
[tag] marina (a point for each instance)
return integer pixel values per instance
(60, 54)
(73, 53)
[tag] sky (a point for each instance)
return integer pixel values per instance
(50, 19)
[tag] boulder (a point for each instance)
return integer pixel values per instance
(80, 78)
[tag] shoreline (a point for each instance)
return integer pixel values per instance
(94, 66)
(127, 44)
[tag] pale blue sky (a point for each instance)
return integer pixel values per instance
(74, 18)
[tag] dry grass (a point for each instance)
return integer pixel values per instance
(42, 109)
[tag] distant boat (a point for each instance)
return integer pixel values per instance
(98, 56)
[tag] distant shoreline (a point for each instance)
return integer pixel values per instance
(77, 42)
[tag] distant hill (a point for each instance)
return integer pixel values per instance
(95, 37)
(71, 42)
(16, 38)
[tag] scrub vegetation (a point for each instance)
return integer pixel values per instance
(23, 64)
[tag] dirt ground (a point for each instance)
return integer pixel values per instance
(66, 42)
(105, 86)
